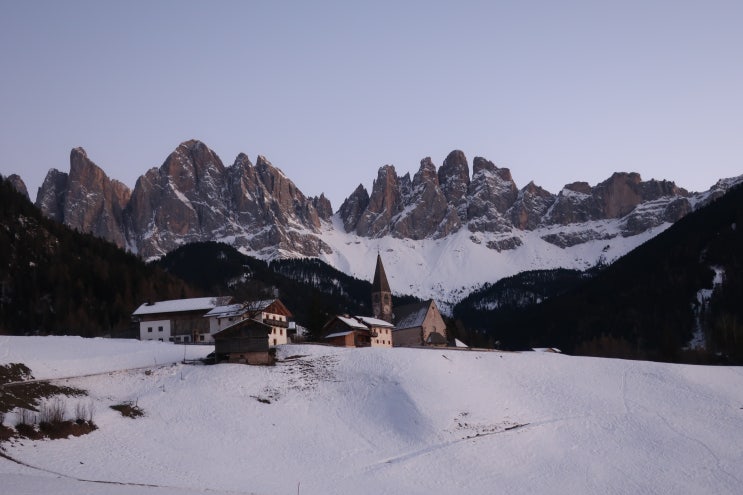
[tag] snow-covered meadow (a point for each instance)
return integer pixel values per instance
(339, 421)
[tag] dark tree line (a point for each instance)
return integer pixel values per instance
(643, 305)
(54, 280)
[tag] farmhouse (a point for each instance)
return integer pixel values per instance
(358, 331)
(178, 320)
(346, 331)
(244, 342)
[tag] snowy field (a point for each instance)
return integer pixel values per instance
(381, 421)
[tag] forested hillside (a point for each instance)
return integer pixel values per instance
(54, 280)
(650, 303)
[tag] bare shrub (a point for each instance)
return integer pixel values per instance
(53, 411)
(26, 417)
(128, 409)
(2, 418)
(84, 412)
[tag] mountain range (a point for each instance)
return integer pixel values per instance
(441, 233)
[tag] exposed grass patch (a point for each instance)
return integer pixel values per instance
(41, 407)
(14, 372)
(18, 391)
(128, 410)
(64, 429)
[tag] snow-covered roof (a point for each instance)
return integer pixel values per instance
(177, 306)
(547, 349)
(227, 311)
(339, 334)
(352, 322)
(411, 315)
(259, 305)
(374, 322)
(459, 343)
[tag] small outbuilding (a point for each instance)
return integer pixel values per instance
(244, 342)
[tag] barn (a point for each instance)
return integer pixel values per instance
(244, 342)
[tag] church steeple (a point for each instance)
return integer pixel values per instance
(381, 294)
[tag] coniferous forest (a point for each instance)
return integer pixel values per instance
(54, 280)
(643, 306)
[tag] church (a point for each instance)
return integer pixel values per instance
(411, 325)
(417, 324)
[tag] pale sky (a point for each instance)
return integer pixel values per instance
(330, 91)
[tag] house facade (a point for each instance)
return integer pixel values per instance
(380, 331)
(177, 320)
(276, 315)
(358, 331)
(346, 331)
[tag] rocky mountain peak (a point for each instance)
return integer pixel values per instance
(491, 193)
(242, 161)
(50, 198)
(427, 172)
(322, 206)
(426, 212)
(579, 187)
(353, 207)
(385, 202)
(85, 199)
(194, 197)
(530, 206)
(454, 179)
(18, 184)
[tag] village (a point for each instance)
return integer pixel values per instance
(249, 331)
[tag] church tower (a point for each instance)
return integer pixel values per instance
(381, 294)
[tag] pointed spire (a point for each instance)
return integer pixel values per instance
(381, 294)
(380, 283)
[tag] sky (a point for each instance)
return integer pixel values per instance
(329, 91)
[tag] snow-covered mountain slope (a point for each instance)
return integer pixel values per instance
(448, 269)
(385, 421)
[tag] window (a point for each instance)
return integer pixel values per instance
(201, 338)
(281, 331)
(274, 341)
(159, 329)
(149, 329)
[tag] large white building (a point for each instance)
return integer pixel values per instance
(178, 320)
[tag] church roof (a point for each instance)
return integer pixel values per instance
(411, 315)
(380, 283)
